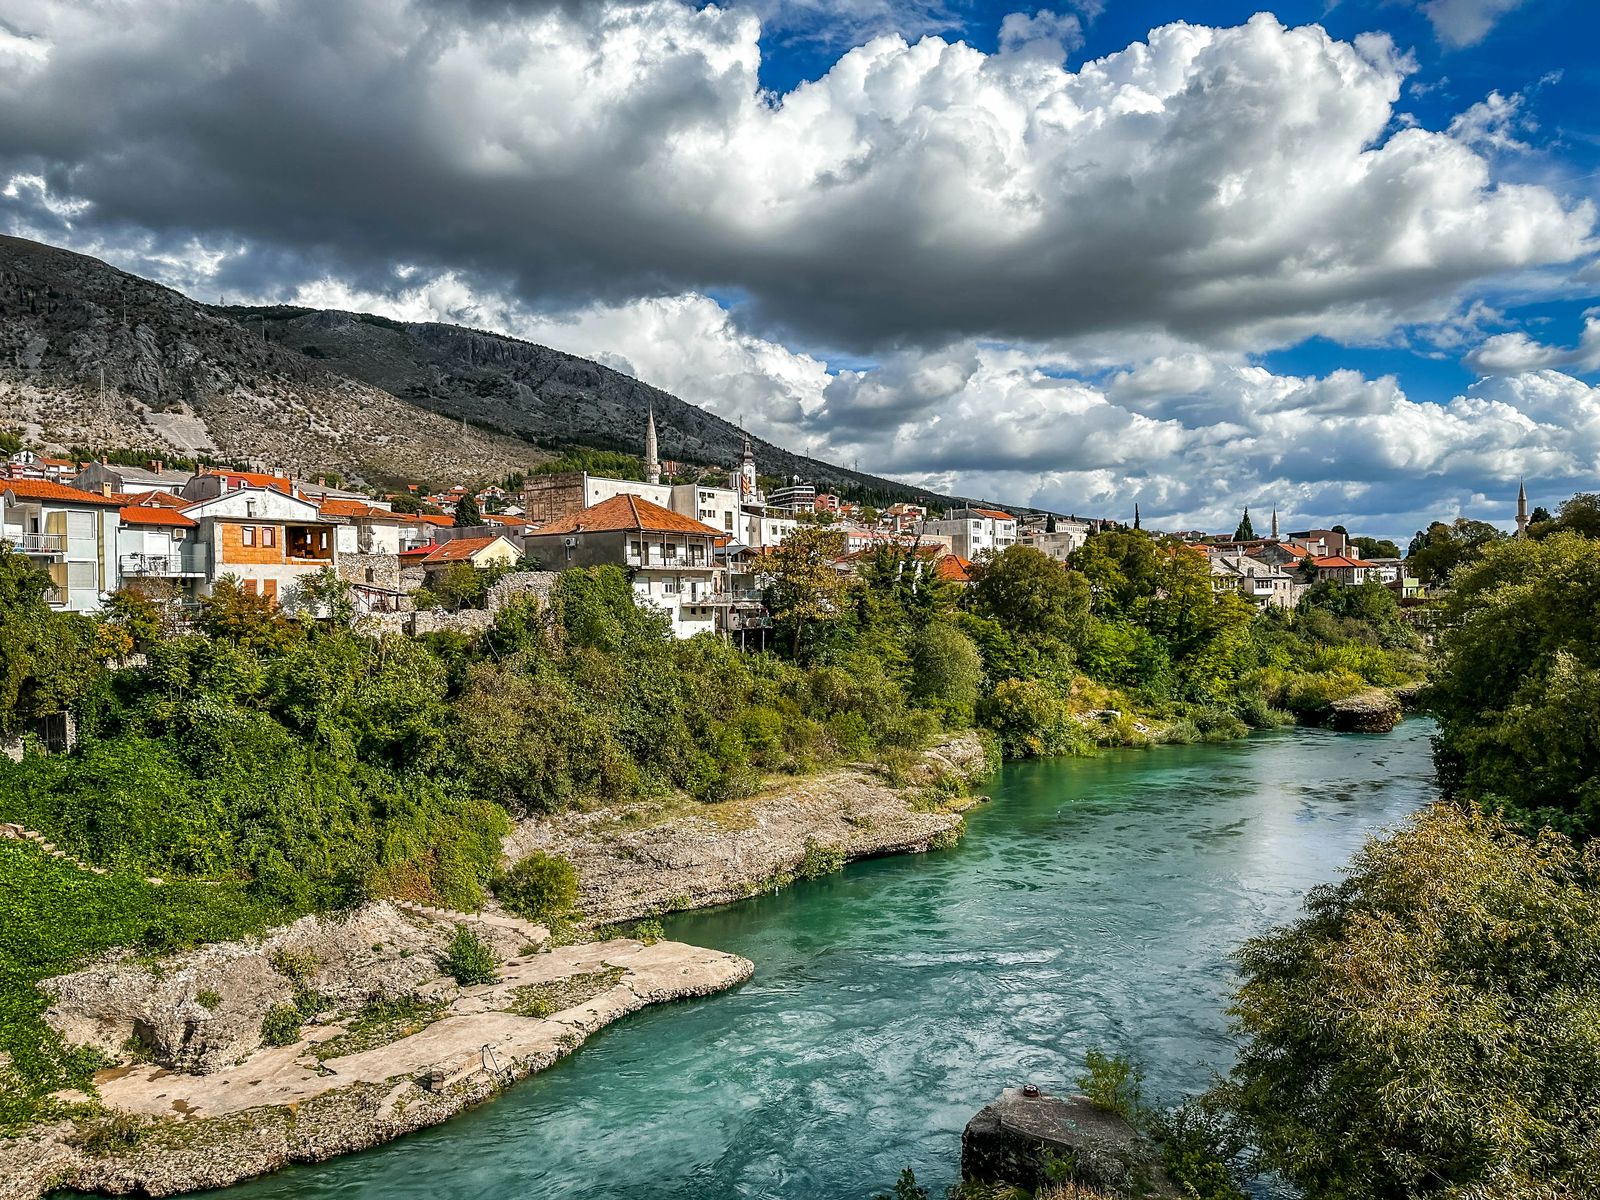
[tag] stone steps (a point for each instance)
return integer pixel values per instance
(21, 833)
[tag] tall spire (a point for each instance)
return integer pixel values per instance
(1522, 508)
(1274, 524)
(747, 470)
(652, 460)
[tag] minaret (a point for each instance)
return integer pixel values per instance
(1274, 524)
(1522, 509)
(747, 471)
(652, 460)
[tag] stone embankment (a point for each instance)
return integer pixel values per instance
(649, 859)
(200, 1102)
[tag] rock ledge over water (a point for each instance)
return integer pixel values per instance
(1012, 1140)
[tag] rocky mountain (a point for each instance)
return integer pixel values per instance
(533, 392)
(92, 356)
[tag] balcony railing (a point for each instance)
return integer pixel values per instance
(163, 565)
(677, 562)
(39, 543)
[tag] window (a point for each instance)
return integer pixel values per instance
(269, 535)
(669, 551)
(727, 520)
(670, 587)
(247, 535)
(633, 549)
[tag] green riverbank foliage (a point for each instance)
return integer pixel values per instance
(1517, 692)
(1428, 1029)
(298, 766)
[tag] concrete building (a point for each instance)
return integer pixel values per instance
(267, 539)
(673, 558)
(1260, 582)
(976, 531)
(1060, 543)
(160, 544)
(795, 496)
(69, 533)
(101, 477)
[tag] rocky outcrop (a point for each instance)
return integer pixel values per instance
(201, 1012)
(1020, 1137)
(168, 1132)
(1372, 711)
(649, 859)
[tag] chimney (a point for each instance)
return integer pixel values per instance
(105, 490)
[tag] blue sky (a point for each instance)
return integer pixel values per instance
(1334, 259)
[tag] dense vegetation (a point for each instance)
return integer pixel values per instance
(301, 765)
(1429, 1028)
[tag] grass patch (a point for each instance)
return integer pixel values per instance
(55, 918)
(380, 1021)
(647, 930)
(547, 999)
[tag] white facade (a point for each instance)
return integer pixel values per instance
(763, 528)
(75, 543)
(1068, 538)
(267, 540)
(713, 506)
(976, 531)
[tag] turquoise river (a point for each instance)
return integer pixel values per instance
(1092, 904)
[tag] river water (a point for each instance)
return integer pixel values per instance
(1092, 904)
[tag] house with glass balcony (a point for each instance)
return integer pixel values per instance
(158, 544)
(71, 535)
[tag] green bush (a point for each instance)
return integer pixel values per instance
(281, 1025)
(469, 960)
(1112, 1083)
(541, 887)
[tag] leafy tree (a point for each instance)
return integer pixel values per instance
(806, 589)
(1539, 515)
(1517, 688)
(1367, 547)
(47, 659)
(469, 959)
(405, 502)
(324, 596)
(467, 514)
(1580, 515)
(947, 670)
(460, 585)
(1245, 532)
(1440, 549)
(1031, 595)
(1426, 1030)
(238, 614)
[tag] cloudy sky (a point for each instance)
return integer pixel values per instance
(1341, 258)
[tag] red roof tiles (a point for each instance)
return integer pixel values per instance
(153, 514)
(463, 549)
(627, 513)
(58, 493)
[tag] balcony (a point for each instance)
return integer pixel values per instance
(662, 562)
(53, 544)
(163, 566)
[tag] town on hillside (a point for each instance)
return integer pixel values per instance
(694, 541)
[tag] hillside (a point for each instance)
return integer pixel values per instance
(94, 356)
(543, 395)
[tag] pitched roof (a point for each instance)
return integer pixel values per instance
(433, 519)
(158, 498)
(255, 479)
(60, 493)
(152, 514)
(952, 568)
(1338, 560)
(627, 513)
(464, 549)
(358, 510)
(994, 513)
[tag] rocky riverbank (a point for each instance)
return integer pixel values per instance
(389, 1043)
(649, 859)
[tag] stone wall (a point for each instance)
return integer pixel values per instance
(520, 583)
(375, 570)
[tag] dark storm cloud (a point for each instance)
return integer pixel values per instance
(1237, 187)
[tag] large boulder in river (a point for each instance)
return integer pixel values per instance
(1017, 1138)
(1371, 711)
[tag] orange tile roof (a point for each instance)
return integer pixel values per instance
(628, 513)
(995, 513)
(159, 498)
(1334, 561)
(462, 549)
(433, 519)
(255, 479)
(44, 489)
(151, 514)
(360, 510)
(952, 568)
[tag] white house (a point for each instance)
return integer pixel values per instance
(156, 542)
(267, 539)
(976, 531)
(70, 534)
